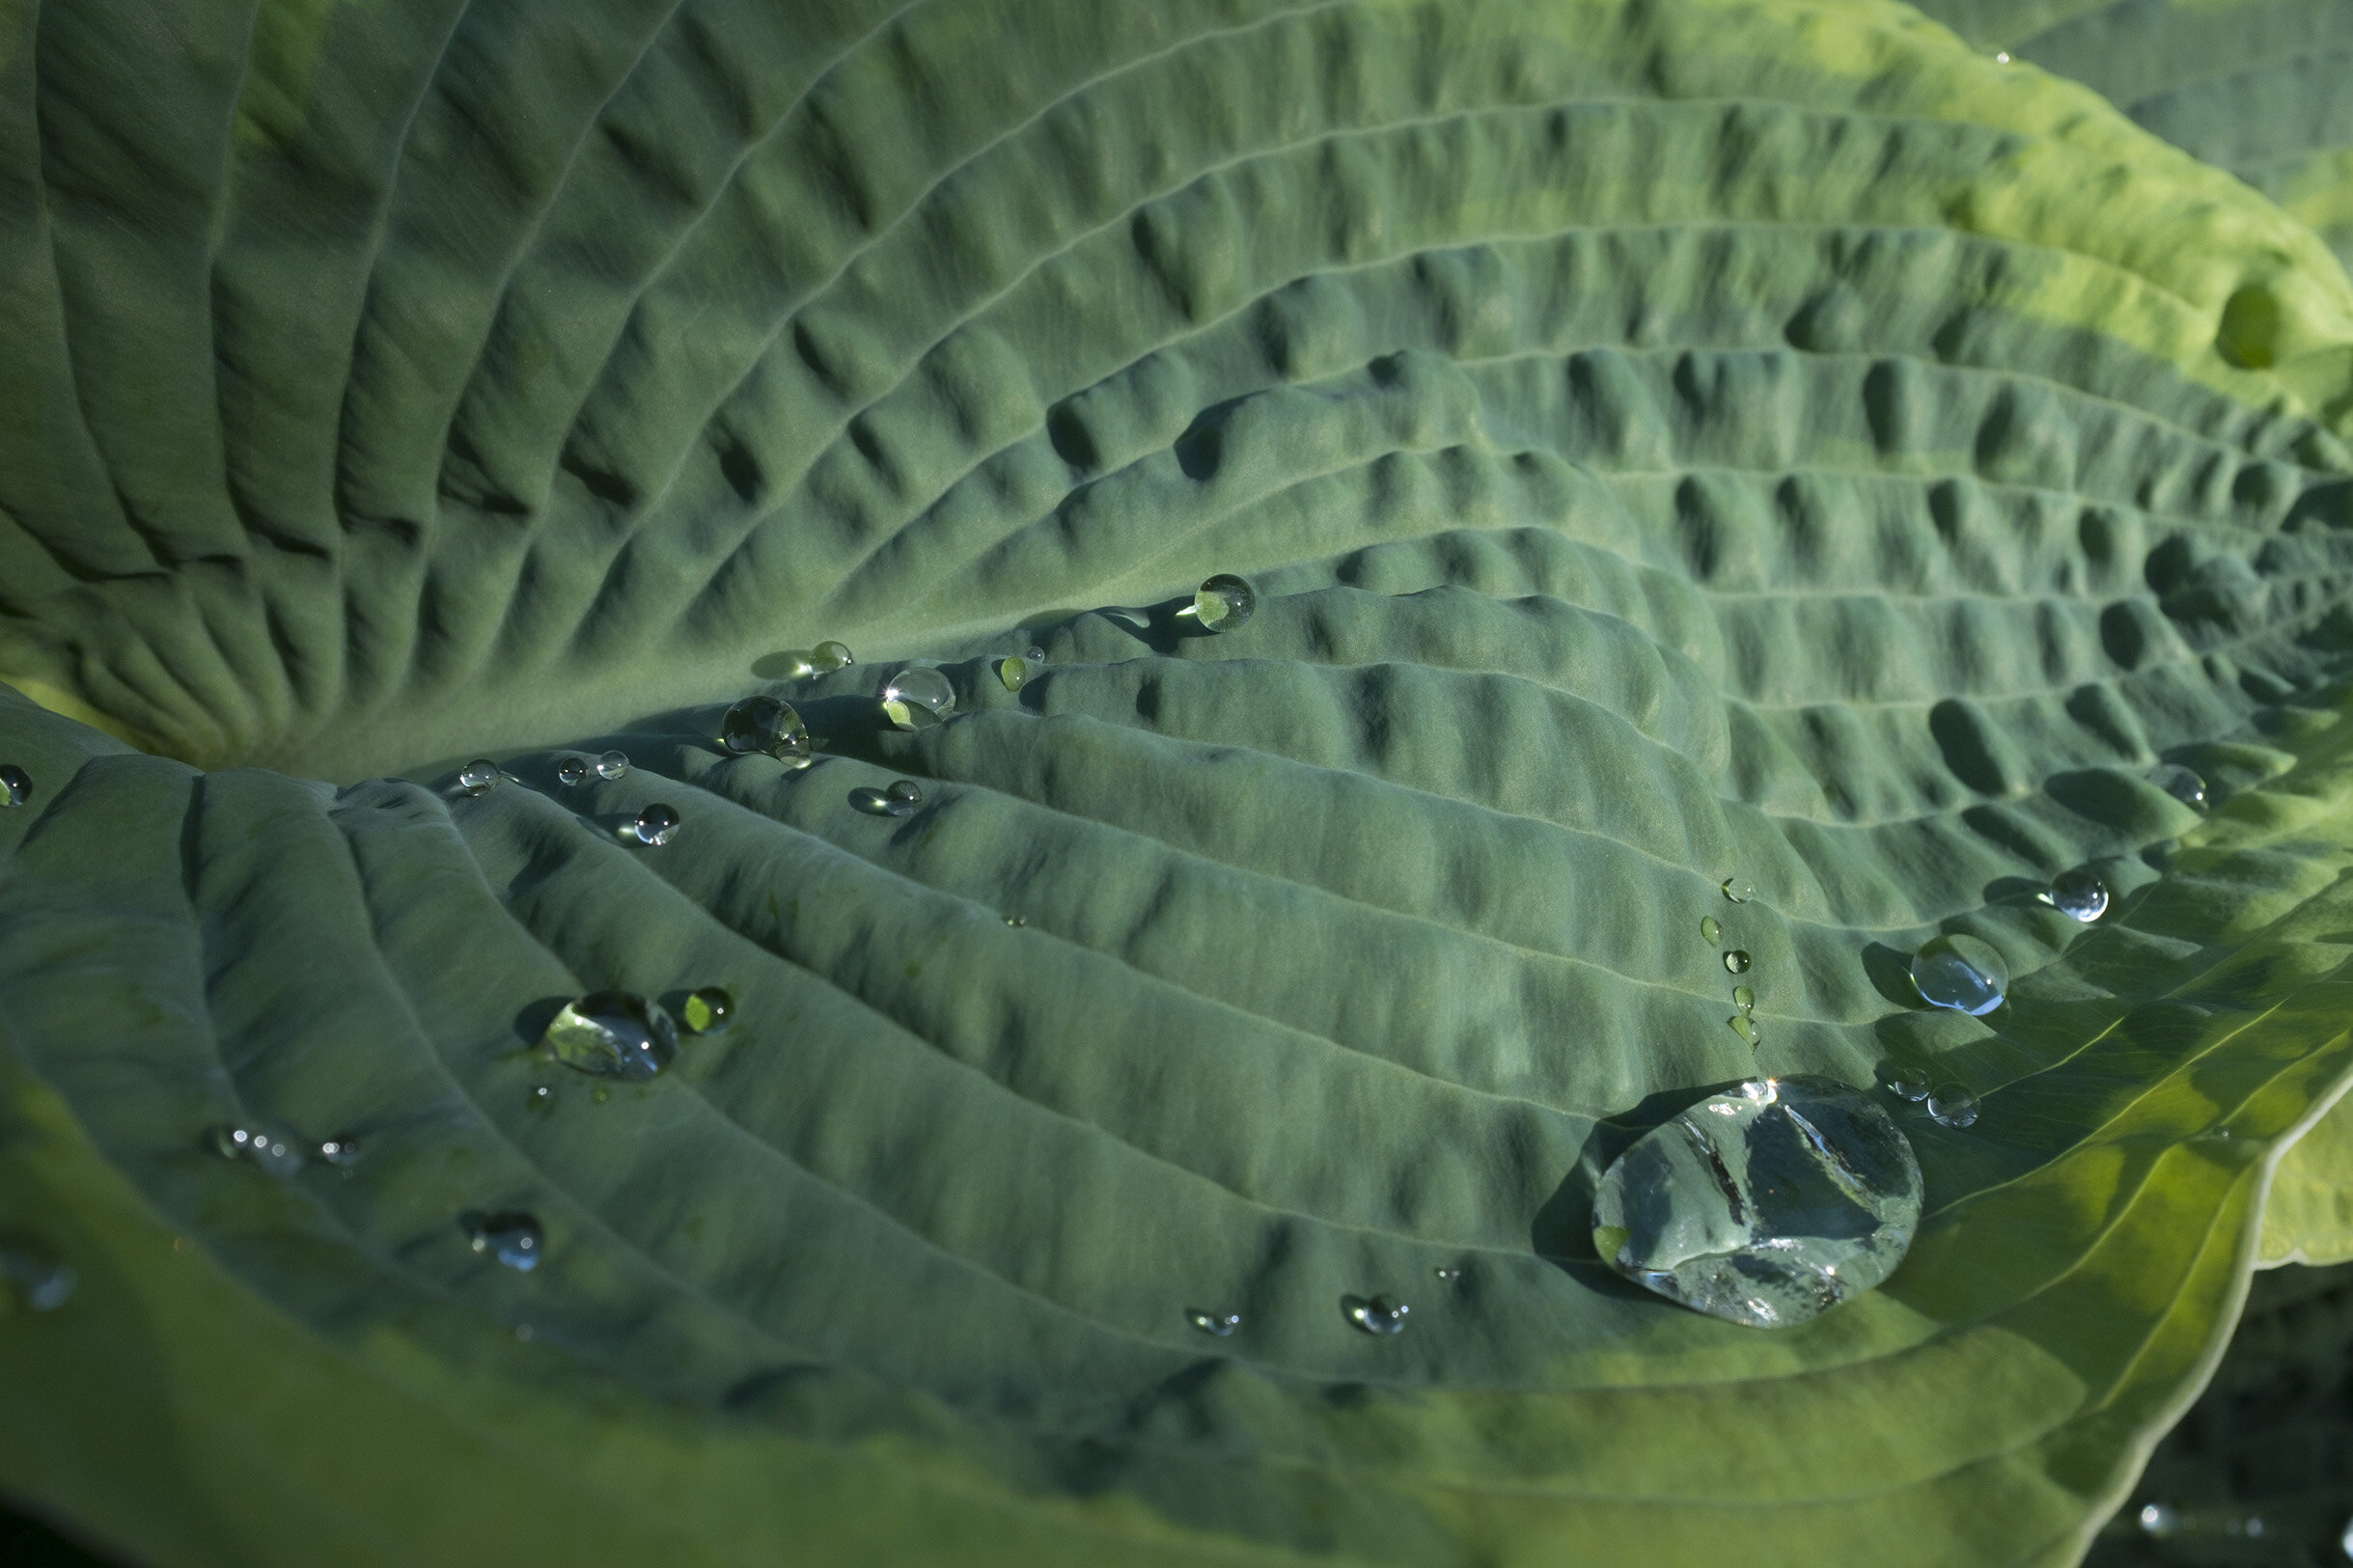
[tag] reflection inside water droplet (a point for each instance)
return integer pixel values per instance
(1952, 1105)
(1766, 1204)
(1710, 930)
(478, 777)
(1381, 1315)
(1739, 889)
(916, 696)
(40, 1282)
(2180, 782)
(612, 764)
(709, 1008)
(2079, 894)
(612, 1034)
(571, 771)
(829, 657)
(513, 1239)
(1218, 1324)
(15, 784)
(767, 725)
(1961, 972)
(1736, 961)
(656, 824)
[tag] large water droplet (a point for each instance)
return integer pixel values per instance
(40, 1282)
(1910, 1084)
(767, 725)
(2079, 894)
(1710, 930)
(2181, 784)
(830, 655)
(1952, 1105)
(513, 1239)
(571, 771)
(1014, 673)
(656, 824)
(916, 696)
(1380, 1315)
(1224, 602)
(1767, 1204)
(1736, 961)
(1744, 999)
(1960, 972)
(1219, 1323)
(1739, 889)
(478, 777)
(612, 764)
(1742, 1025)
(274, 1151)
(15, 784)
(709, 1008)
(612, 1034)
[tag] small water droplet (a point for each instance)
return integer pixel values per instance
(906, 791)
(1380, 1315)
(1744, 999)
(2160, 1519)
(767, 725)
(1736, 961)
(916, 696)
(1767, 1204)
(709, 1008)
(542, 1097)
(41, 1282)
(271, 1149)
(1012, 672)
(1217, 1324)
(1710, 930)
(1952, 1105)
(2079, 894)
(612, 764)
(657, 824)
(2180, 782)
(1739, 889)
(15, 784)
(1960, 972)
(2001, 57)
(1448, 1273)
(571, 771)
(830, 655)
(513, 1239)
(1016, 920)
(478, 777)
(1224, 602)
(612, 1034)
(522, 1331)
(1035, 654)
(599, 1095)
(1910, 1084)
(339, 1151)
(1742, 1025)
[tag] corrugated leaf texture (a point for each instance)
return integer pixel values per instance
(1670, 442)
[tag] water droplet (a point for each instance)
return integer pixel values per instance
(1448, 1273)
(1767, 1204)
(875, 803)
(522, 1331)
(271, 1149)
(478, 777)
(339, 1151)
(906, 791)
(1224, 602)
(1379, 1315)
(41, 1282)
(1709, 930)
(917, 696)
(612, 764)
(542, 1097)
(15, 784)
(830, 655)
(1016, 920)
(2181, 784)
(767, 725)
(1742, 1025)
(1952, 1106)
(1218, 1324)
(513, 1239)
(1744, 999)
(599, 1095)
(2079, 894)
(1736, 961)
(657, 824)
(2001, 57)
(2160, 1519)
(571, 771)
(709, 1008)
(1960, 972)
(1014, 672)
(1035, 654)
(1909, 1083)
(612, 1034)
(1739, 889)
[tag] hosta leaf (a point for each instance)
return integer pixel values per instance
(1668, 443)
(2253, 86)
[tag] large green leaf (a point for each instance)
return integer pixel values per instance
(1670, 442)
